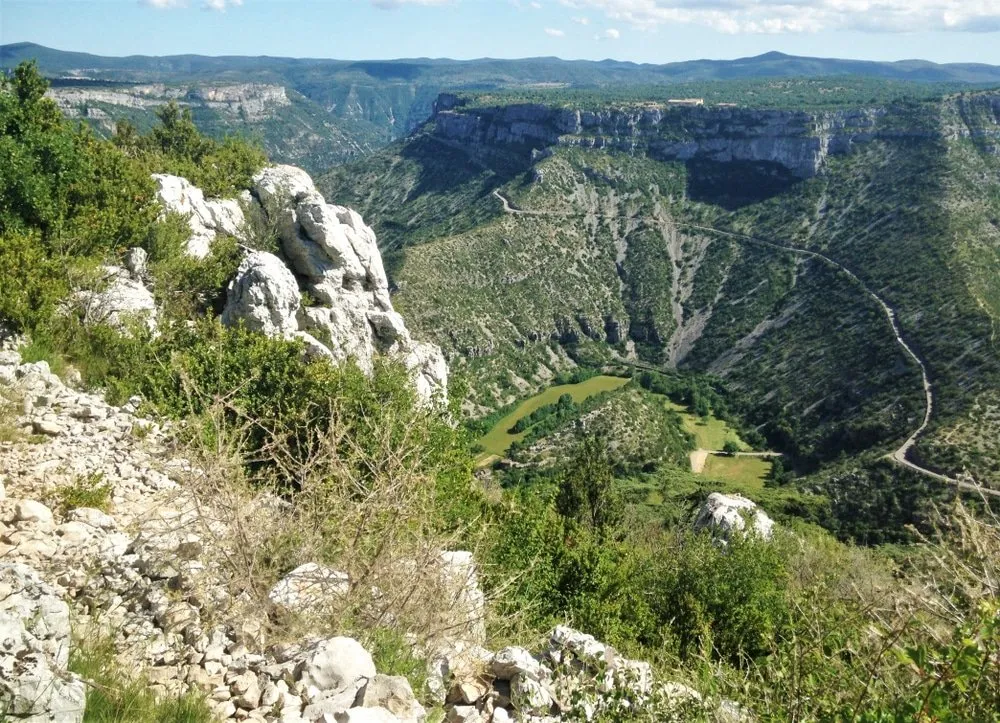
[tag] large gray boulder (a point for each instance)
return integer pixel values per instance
(264, 296)
(34, 651)
(206, 217)
(726, 515)
(335, 666)
(394, 694)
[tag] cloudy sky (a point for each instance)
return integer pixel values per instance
(652, 31)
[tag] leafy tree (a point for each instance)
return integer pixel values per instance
(731, 447)
(587, 493)
(177, 135)
(67, 199)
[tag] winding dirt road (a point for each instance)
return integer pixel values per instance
(899, 456)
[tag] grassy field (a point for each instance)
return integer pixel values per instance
(709, 433)
(747, 472)
(498, 440)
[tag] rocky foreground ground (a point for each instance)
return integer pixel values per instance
(139, 573)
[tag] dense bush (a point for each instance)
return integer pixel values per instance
(176, 147)
(70, 201)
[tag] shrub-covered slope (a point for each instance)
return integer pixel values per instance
(600, 258)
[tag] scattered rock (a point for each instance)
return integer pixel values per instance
(48, 428)
(32, 511)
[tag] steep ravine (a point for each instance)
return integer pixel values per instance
(899, 455)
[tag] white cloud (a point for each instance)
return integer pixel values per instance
(553, 33)
(221, 5)
(582, 20)
(218, 5)
(799, 16)
(393, 4)
(609, 34)
(536, 5)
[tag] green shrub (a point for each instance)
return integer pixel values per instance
(114, 695)
(393, 655)
(86, 491)
(175, 146)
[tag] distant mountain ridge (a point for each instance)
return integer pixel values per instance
(772, 64)
(341, 110)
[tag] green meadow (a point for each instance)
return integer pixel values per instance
(498, 440)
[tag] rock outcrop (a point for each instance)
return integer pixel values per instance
(122, 298)
(252, 101)
(332, 255)
(335, 257)
(797, 141)
(264, 296)
(206, 217)
(34, 650)
(727, 515)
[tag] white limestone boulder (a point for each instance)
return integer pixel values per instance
(205, 217)
(394, 694)
(281, 185)
(121, 300)
(725, 515)
(466, 603)
(512, 661)
(309, 587)
(34, 651)
(334, 666)
(264, 296)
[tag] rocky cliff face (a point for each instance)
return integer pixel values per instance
(254, 101)
(330, 253)
(980, 120)
(798, 141)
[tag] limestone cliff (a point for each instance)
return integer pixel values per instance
(254, 101)
(798, 141)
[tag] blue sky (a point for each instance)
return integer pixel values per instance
(653, 31)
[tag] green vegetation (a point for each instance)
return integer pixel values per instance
(748, 472)
(594, 527)
(709, 432)
(115, 696)
(607, 263)
(72, 201)
(90, 491)
(754, 92)
(499, 439)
